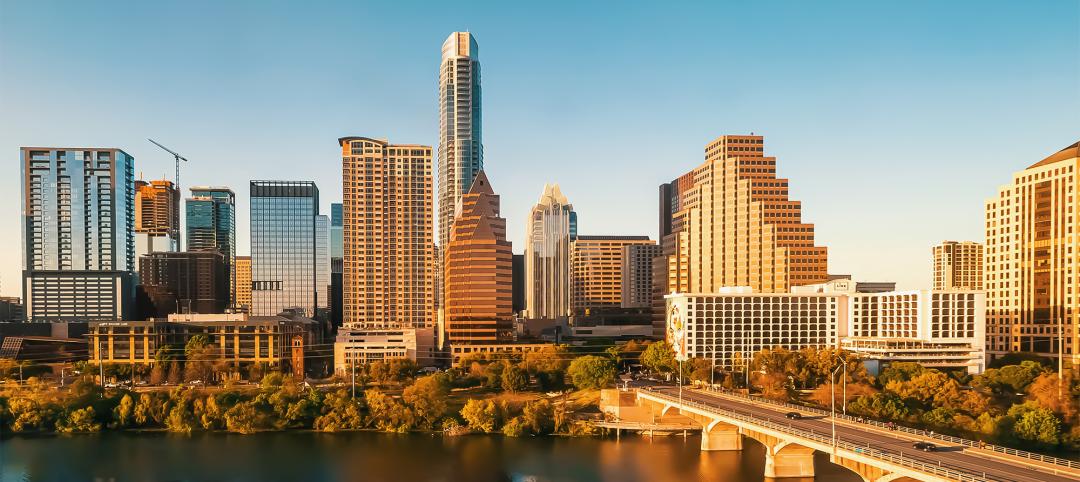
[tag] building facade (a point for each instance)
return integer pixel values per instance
(283, 269)
(958, 265)
(357, 346)
(211, 226)
(389, 261)
(322, 263)
(78, 224)
(1031, 271)
(461, 149)
(597, 271)
(549, 234)
(157, 217)
(183, 282)
(479, 272)
(637, 274)
(242, 268)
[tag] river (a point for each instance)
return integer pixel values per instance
(365, 456)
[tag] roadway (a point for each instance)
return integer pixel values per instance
(953, 457)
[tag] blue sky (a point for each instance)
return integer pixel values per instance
(893, 120)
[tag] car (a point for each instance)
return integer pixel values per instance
(924, 446)
(793, 415)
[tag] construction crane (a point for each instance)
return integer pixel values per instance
(178, 158)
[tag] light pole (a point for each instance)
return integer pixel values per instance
(832, 390)
(843, 363)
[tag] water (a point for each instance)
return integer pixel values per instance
(305, 456)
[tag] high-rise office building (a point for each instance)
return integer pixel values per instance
(958, 266)
(551, 229)
(461, 151)
(242, 270)
(597, 276)
(637, 274)
(157, 217)
(389, 258)
(78, 224)
(479, 279)
(283, 271)
(337, 264)
(729, 222)
(1031, 269)
(183, 282)
(337, 230)
(322, 262)
(211, 226)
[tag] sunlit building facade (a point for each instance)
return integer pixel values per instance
(322, 262)
(637, 274)
(461, 150)
(958, 265)
(157, 217)
(211, 226)
(242, 268)
(283, 272)
(597, 271)
(550, 231)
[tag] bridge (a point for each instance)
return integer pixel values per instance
(875, 455)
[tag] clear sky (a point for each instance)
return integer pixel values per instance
(894, 120)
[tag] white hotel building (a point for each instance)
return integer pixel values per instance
(941, 329)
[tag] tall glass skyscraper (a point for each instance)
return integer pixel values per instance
(78, 227)
(461, 152)
(283, 246)
(211, 226)
(551, 229)
(337, 231)
(322, 261)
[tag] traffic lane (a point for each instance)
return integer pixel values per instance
(953, 459)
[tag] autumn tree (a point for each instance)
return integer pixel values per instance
(427, 396)
(591, 371)
(480, 415)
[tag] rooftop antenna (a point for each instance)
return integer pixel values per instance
(178, 158)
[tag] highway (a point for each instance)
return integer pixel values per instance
(953, 457)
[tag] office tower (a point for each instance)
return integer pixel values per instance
(322, 262)
(479, 279)
(519, 282)
(1031, 269)
(211, 226)
(958, 265)
(242, 270)
(729, 222)
(283, 247)
(337, 263)
(637, 274)
(183, 282)
(78, 224)
(461, 152)
(597, 278)
(337, 231)
(389, 259)
(551, 228)
(157, 217)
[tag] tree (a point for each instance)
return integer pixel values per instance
(929, 388)
(493, 375)
(514, 379)
(157, 374)
(124, 413)
(340, 412)
(388, 414)
(245, 417)
(1058, 396)
(899, 371)
(539, 416)
(175, 377)
(427, 396)
(26, 414)
(1010, 379)
(591, 371)
(881, 405)
(1034, 424)
(515, 427)
(481, 415)
(658, 358)
(79, 420)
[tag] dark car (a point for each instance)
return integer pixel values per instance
(793, 415)
(924, 446)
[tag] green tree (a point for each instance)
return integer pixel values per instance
(1010, 379)
(124, 413)
(514, 379)
(539, 416)
(898, 371)
(427, 396)
(493, 375)
(881, 405)
(79, 420)
(245, 417)
(388, 414)
(480, 415)
(1035, 424)
(515, 427)
(658, 358)
(340, 412)
(591, 371)
(26, 414)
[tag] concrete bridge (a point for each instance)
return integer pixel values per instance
(790, 444)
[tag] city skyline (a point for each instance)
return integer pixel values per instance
(980, 133)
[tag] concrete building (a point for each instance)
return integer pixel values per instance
(242, 269)
(551, 229)
(211, 226)
(958, 265)
(283, 273)
(597, 271)
(389, 261)
(183, 282)
(157, 217)
(461, 148)
(356, 346)
(637, 274)
(11, 309)
(479, 279)
(78, 224)
(1031, 270)
(729, 222)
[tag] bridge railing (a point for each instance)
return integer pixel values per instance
(826, 438)
(1072, 464)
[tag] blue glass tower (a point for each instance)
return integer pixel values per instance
(283, 247)
(211, 226)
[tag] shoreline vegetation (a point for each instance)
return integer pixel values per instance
(554, 391)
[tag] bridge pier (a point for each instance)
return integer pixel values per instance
(720, 436)
(789, 460)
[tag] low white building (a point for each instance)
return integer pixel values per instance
(356, 345)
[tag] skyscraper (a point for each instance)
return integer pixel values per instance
(1031, 269)
(461, 152)
(729, 222)
(958, 266)
(551, 228)
(283, 272)
(337, 231)
(157, 217)
(637, 274)
(389, 259)
(242, 270)
(78, 224)
(337, 264)
(211, 226)
(597, 281)
(184, 282)
(322, 262)
(479, 279)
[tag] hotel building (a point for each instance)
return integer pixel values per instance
(1031, 273)
(551, 229)
(78, 223)
(958, 265)
(283, 272)
(637, 274)
(597, 271)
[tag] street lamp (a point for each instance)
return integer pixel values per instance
(843, 363)
(832, 390)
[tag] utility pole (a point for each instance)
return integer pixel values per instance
(177, 158)
(101, 364)
(354, 376)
